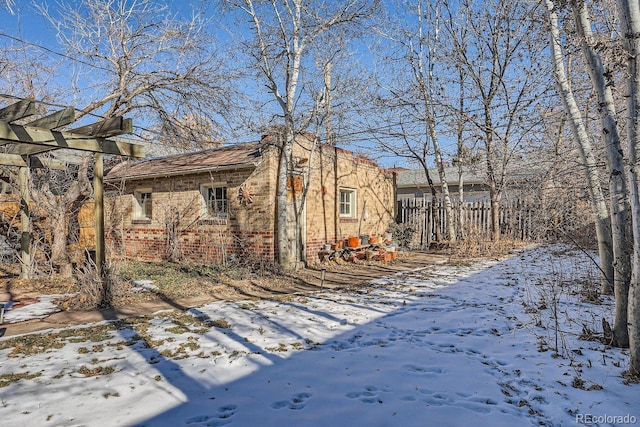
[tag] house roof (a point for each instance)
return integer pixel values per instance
(229, 157)
(417, 178)
(517, 171)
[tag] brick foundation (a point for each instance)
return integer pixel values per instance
(200, 246)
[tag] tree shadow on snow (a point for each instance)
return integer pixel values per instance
(278, 389)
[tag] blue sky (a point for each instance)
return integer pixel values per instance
(26, 24)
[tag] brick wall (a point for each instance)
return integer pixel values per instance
(179, 205)
(248, 229)
(373, 192)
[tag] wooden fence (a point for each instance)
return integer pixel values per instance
(516, 219)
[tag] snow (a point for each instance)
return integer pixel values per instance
(40, 309)
(446, 345)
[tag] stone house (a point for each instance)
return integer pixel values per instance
(213, 205)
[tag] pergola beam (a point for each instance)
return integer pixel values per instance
(20, 109)
(106, 128)
(27, 136)
(28, 150)
(60, 118)
(35, 162)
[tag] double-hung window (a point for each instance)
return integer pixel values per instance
(347, 203)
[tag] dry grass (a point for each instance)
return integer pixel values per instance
(477, 246)
(38, 285)
(176, 281)
(6, 379)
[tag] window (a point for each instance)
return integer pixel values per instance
(144, 204)
(215, 199)
(347, 203)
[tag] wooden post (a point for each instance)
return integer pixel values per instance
(98, 199)
(25, 222)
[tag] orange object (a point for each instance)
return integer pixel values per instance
(373, 240)
(354, 242)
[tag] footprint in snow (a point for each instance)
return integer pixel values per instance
(369, 395)
(482, 405)
(220, 419)
(424, 369)
(296, 402)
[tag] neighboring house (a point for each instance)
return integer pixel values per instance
(412, 184)
(210, 205)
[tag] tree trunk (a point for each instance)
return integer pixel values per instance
(284, 254)
(461, 160)
(494, 196)
(59, 254)
(435, 212)
(59, 208)
(446, 198)
(599, 206)
(461, 216)
(615, 166)
(629, 16)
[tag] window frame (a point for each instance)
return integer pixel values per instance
(206, 191)
(351, 203)
(143, 206)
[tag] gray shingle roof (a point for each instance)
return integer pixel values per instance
(417, 177)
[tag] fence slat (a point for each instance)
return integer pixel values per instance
(516, 219)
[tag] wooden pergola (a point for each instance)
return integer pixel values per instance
(22, 143)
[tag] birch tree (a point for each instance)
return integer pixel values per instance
(283, 36)
(583, 139)
(629, 16)
(615, 167)
(411, 96)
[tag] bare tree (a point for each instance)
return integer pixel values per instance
(603, 78)
(629, 15)
(615, 166)
(494, 45)
(284, 34)
(410, 95)
(144, 61)
(576, 121)
(135, 59)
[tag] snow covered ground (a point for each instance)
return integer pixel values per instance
(442, 346)
(39, 309)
